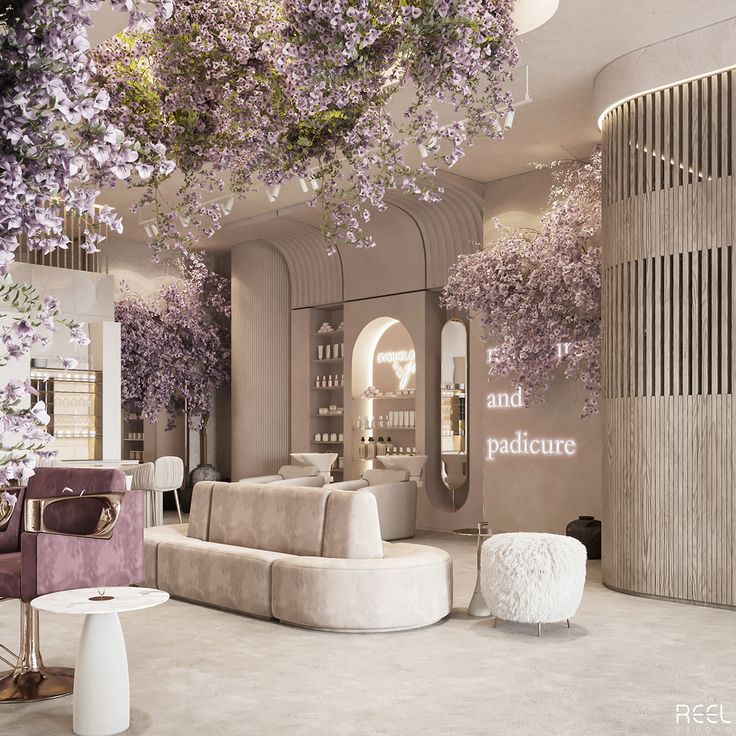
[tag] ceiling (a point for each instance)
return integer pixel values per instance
(564, 56)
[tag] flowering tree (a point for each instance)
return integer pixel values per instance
(535, 289)
(281, 89)
(176, 348)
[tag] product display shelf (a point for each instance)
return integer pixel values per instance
(73, 400)
(322, 397)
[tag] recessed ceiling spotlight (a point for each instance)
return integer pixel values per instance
(304, 184)
(508, 121)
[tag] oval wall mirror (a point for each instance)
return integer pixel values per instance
(453, 402)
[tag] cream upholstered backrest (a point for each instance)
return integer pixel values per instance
(143, 477)
(169, 473)
(287, 472)
(313, 522)
(352, 530)
(280, 519)
(377, 476)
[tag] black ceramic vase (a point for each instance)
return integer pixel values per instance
(587, 529)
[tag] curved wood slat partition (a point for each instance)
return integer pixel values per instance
(668, 342)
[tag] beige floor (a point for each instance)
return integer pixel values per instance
(621, 669)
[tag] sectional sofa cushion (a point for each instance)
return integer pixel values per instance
(236, 578)
(409, 587)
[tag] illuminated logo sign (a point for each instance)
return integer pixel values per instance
(403, 362)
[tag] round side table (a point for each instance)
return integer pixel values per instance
(478, 606)
(101, 687)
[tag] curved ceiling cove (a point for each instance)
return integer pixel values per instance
(683, 58)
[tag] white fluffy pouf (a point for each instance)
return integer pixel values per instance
(533, 578)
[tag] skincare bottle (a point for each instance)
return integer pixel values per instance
(358, 423)
(316, 382)
(361, 448)
(371, 450)
(329, 381)
(389, 446)
(380, 447)
(342, 379)
(320, 352)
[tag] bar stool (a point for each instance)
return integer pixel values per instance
(166, 474)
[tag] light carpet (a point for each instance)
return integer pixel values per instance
(621, 669)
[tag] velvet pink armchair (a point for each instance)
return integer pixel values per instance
(72, 528)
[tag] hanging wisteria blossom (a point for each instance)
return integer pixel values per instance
(55, 146)
(265, 92)
(535, 289)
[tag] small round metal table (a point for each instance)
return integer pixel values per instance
(478, 606)
(101, 686)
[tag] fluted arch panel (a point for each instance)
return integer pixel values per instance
(448, 228)
(315, 277)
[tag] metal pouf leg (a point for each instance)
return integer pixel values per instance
(568, 622)
(539, 630)
(178, 507)
(31, 680)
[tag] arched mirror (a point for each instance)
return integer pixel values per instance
(453, 404)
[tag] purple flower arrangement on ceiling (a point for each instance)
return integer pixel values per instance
(534, 290)
(260, 93)
(56, 144)
(175, 349)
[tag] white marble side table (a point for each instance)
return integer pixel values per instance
(101, 686)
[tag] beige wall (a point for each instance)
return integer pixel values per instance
(260, 359)
(534, 493)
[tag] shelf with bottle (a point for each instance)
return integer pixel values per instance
(330, 333)
(326, 442)
(369, 448)
(330, 381)
(391, 420)
(330, 415)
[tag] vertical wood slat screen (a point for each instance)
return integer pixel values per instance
(669, 226)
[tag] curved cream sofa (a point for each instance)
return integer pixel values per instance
(310, 557)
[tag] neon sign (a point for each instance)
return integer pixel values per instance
(402, 361)
(521, 444)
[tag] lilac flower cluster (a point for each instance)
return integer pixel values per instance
(533, 290)
(176, 348)
(269, 91)
(56, 147)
